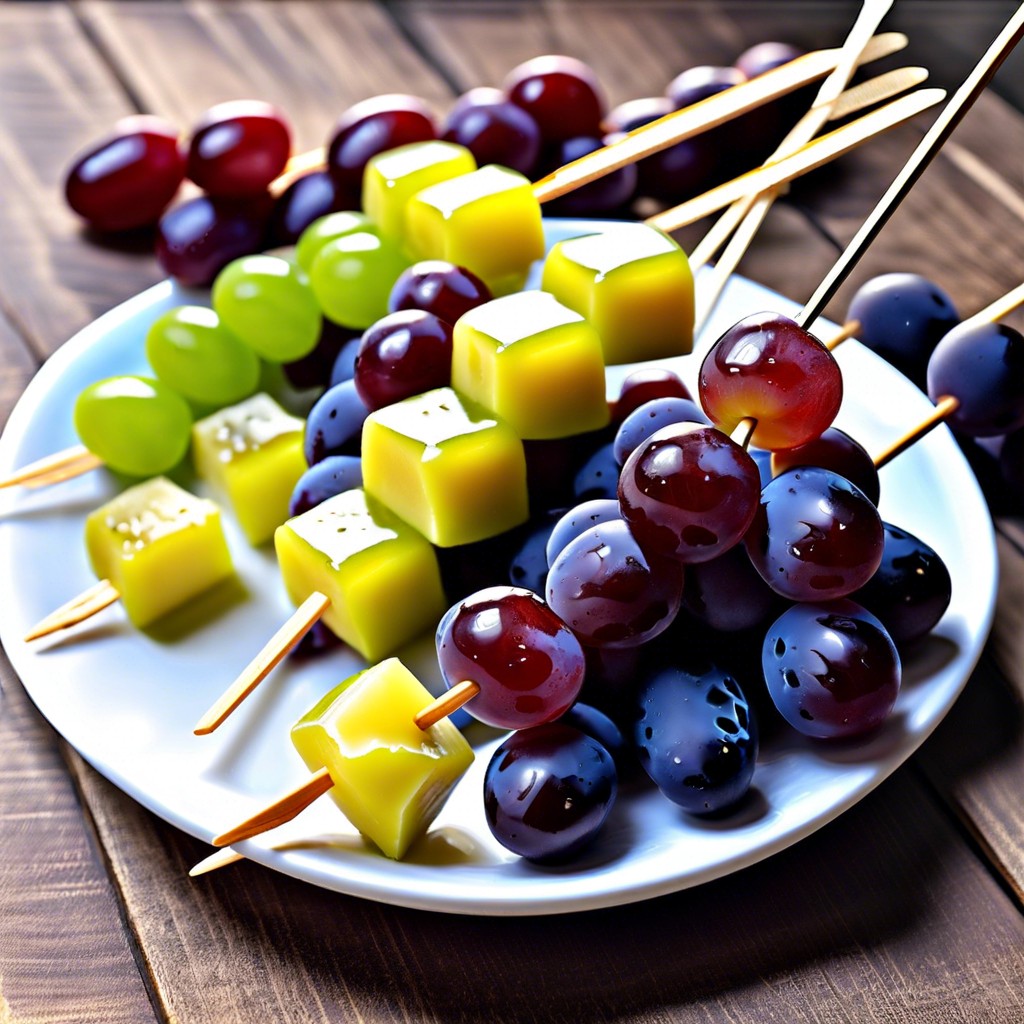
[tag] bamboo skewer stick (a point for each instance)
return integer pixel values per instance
(78, 609)
(1003, 306)
(944, 408)
(54, 468)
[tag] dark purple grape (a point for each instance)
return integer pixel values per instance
(344, 367)
(371, 127)
(832, 669)
(762, 57)
(598, 477)
(650, 417)
(727, 593)
(601, 198)
(315, 370)
(403, 354)
(334, 475)
(610, 681)
(238, 148)
(902, 318)
(647, 385)
(610, 592)
(576, 521)
(689, 492)
(598, 726)
(333, 422)
(548, 791)
(526, 661)
(633, 114)
(837, 451)
(305, 200)
(127, 180)
(815, 536)
(699, 83)
(494, 130)
(696, 737)
(317, 640)
(560, 93)
(440, 288)
(198, 238)
(529, 565)
(679, 172)
(911, 589)
(982, 366)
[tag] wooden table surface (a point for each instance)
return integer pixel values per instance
(907, 908)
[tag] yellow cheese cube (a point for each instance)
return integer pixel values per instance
(534, 362)
(488, 221)
(252, 452)
(392, 178)
(390, 777)
(447, 466)
(633, 283)
(381, 575)
(159, 545)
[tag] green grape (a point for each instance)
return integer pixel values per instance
(135, 425)
(327, 229)
(193, 353)
(353, 276)
(268, 303)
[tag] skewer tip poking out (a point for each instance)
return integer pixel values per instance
(216, 861)
(847, 331)
(448, 703)
(944, 408)
(78, 609)
(54, 469)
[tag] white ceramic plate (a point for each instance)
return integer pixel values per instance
(127, 700)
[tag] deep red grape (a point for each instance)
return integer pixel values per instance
(646, 385)
(815, 536)
(127, 180)
(440, 288)
(371, 127)
(494, 130)
(837, 451)
(548, 791)
(526, 661)
(610, 592)
(401, 355)
(768, 367)
(832, 669)
(305, 200)
(238, 148)
(560, 93)
(689, 492)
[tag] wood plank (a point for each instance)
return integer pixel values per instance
(863, 921)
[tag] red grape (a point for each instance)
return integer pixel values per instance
(440, 288)
(837, 451)
(561, 94)
(645, 385)
(494, 130)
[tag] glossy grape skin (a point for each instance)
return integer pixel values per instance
(649, 418)
(371, 127)
(698, 83)
(689, 492)
(902, 318)
(494, 130)
(604, 197)
(762, 57)
(304, 201)
(352, 278)
(127, 180)
(326, 229)
(597, 725)
(832, 669)
(576, 521)
(911, 589)
(526, 661)
(598, 477)
(334, 475)
(192, 352)
(198, 238)
(727, 593)
(560, 93)
(834, 450)
(696, 737)
(136, 425)
(767, 367)
(345, 363)
(815, 536)
(610, 592)
(547, 792)
(401, 355)
(647, 385)
(440, 288)
(316, 369)
(334, 422)
(983, 367)
(268, 303)
(238, 148)
(633, 114)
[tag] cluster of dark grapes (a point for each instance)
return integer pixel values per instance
(549, 111)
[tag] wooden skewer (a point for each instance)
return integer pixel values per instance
(944, 408)
(847, 331)
(221, 859)
(300, 622)
(78, 609)
(1003, 306)
(52, 469)
(447, 704)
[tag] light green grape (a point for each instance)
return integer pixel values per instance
(135, 425)
(352, 278)
(192, 352)
(268, 303)
(327, 229)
